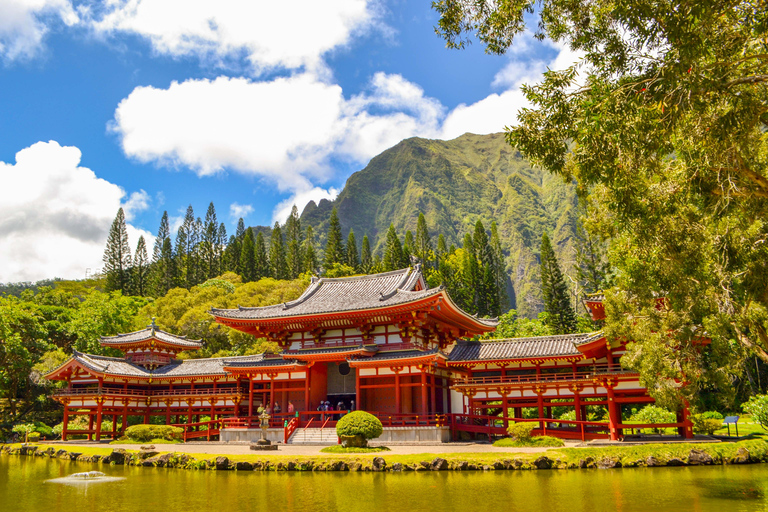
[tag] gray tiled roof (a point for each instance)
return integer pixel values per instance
(149, 333)
(259, 360)
(331, 350)
(180, 368)
(342, 294)
(521, 348)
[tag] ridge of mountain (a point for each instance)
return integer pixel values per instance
(454, 183)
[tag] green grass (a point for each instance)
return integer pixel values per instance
(354, 449)
(537, 441)
(125, 440)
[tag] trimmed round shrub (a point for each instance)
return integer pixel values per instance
(359, 423)
(711, 415)
(704, 425)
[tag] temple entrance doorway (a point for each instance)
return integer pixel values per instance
(341, 384)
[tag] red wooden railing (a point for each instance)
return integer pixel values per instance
(196, 431)
(108, 390)
(290, 428)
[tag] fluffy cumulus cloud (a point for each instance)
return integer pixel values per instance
(24, 24)
(55, 215)
(270, 34)
(284, 130)
(238, 211)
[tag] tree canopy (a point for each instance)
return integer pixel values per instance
(664, 125)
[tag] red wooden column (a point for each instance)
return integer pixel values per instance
(613, 419)
(434, 392)
(124, 425)
(358, 398)
(398, 408)
(272, 393)
(65, 421)
(99, 409)
(90, 425)
(424, 404)
(540, 403)
(114, 424)
(167, 411)
(250, 396)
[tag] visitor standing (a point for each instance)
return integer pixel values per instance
(291, 409)
(277, 408)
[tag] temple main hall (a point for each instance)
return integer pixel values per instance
(383, 343)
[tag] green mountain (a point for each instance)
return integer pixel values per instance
(455, 183)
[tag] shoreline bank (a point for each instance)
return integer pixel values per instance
(658, 455)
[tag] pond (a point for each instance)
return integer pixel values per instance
(25, 486)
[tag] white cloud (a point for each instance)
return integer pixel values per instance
(301, 199)
(137, 202)
(237, 211)
(55, 215)
(24, 24)
(269, 34)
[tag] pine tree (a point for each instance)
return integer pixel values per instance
(248, 264)
(393, 251)
(295, 257)
(221, 247)
(140, 271)
(262, 260)
(209, 244)
(117, 256)
(277, 264)
(196, 267)
(557, 304)
(160, 263)
(352, 259)
(170, 272)
(441, 252)
(500, 274)
(234, 247)
(334, 247)
(366, 259)
(470, 276)
(310, 256)
(185, 243)
(423, 243)
(486, 285)
(408, 248)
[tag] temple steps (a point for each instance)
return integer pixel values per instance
(314, 436)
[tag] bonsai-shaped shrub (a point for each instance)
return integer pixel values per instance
(24, 429)
(357, 427)
(653, 414)
(521, 431)
(144, 433)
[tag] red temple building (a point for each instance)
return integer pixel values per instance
(383, 343)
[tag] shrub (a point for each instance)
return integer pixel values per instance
(653, 414)
(359, 423)
(540, 441)
(757, 406)
(33, 437)
(703, 425)
(711, 415)
(43, 429)
(521, 431)
(144, 433)
(24, 429)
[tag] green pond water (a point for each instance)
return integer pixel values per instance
(25, 486)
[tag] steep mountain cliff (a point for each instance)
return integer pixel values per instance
(454, 183)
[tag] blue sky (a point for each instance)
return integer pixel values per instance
(157, 104)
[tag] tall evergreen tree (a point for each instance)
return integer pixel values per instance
(487, 294)
(310, 255)
(557, 304)
(170, 272)
(262, 268)
(334, 247)
(293, 235)
(277, 264)
(185, 245)
(196, 267)
(393, 251)
(209, 244)
(221, 247)
(162, 233)
(352, 259)
(366, 258)
(140, 271)
(248, 264)
(500, 274)
(423, 243)
(441, 252)
(234, 247)
(470, 276)
(117, 256)
(160, 261)
(408, 247)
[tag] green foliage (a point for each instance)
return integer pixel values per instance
(512, 326)
(757, 406)
(521, 431)
(145, 433)
(653, 414)
(711, 415)
(117, 256)
(334, 247)
(340, 270)
(538, 441)
(337, 448)
(359, 423)
(664, 127)
(708, 426)
(557, 302)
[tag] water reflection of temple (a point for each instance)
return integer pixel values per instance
(383, 343)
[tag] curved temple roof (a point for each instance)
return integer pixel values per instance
(150, 333)
(562, 345)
